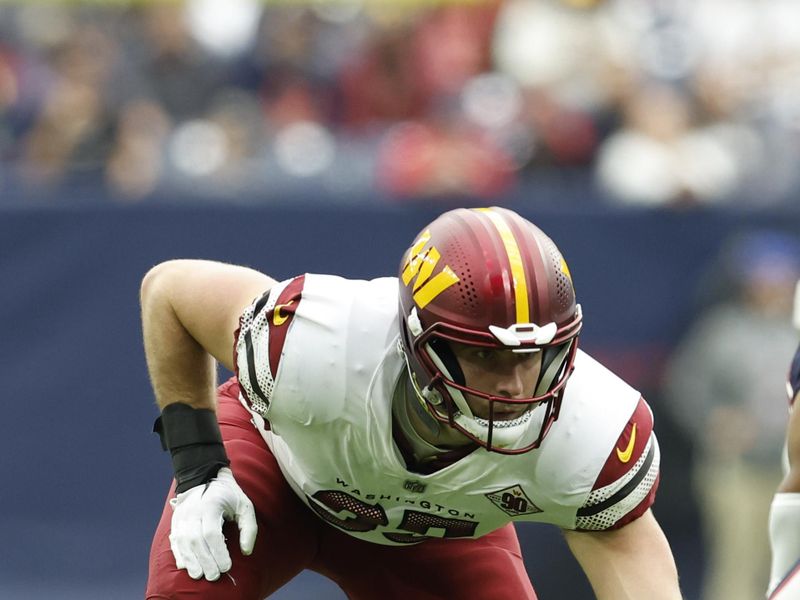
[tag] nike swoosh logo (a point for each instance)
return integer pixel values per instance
(625, 455)
(277, 318)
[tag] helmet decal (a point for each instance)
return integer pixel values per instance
(565, 269)
(420, 265)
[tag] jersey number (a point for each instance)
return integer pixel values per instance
(367, 517)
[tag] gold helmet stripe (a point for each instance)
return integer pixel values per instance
(515, 260)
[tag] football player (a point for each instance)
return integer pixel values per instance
(784, 517)
(389, 433)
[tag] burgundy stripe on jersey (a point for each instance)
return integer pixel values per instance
(627, 483)
(281, 318)
(623, 491)
(640, 508)
(272, 322)
(626, 453)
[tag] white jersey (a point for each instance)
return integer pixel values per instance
(318, 362)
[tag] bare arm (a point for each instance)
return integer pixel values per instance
(190, 311)
(629, 563)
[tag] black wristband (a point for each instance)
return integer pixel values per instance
(194, 440)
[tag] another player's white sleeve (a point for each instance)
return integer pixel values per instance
(789, 587)
(784, 535)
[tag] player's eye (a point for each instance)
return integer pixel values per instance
(525, 357)
(484, 354)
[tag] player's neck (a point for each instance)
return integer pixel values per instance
(432, 432)
(424, 446)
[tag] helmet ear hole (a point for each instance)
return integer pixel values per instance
(444, 351)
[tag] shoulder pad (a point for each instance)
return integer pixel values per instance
(627, 483)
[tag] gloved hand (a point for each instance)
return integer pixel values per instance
(196, 535)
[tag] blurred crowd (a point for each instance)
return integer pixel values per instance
(657, 102)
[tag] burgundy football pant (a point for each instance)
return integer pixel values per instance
(291, 538)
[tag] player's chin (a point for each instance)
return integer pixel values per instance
(509, 415)
(500, 414)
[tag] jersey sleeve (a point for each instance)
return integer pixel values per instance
(627, 483)
(260, 339)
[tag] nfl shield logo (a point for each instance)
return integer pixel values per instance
(416, 487)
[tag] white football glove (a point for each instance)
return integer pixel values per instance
(196, 535)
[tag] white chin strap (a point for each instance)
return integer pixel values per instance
(505, 434)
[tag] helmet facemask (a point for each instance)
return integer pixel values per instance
(445, 393)
(488, 278)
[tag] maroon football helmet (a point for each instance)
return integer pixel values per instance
(487, 278)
